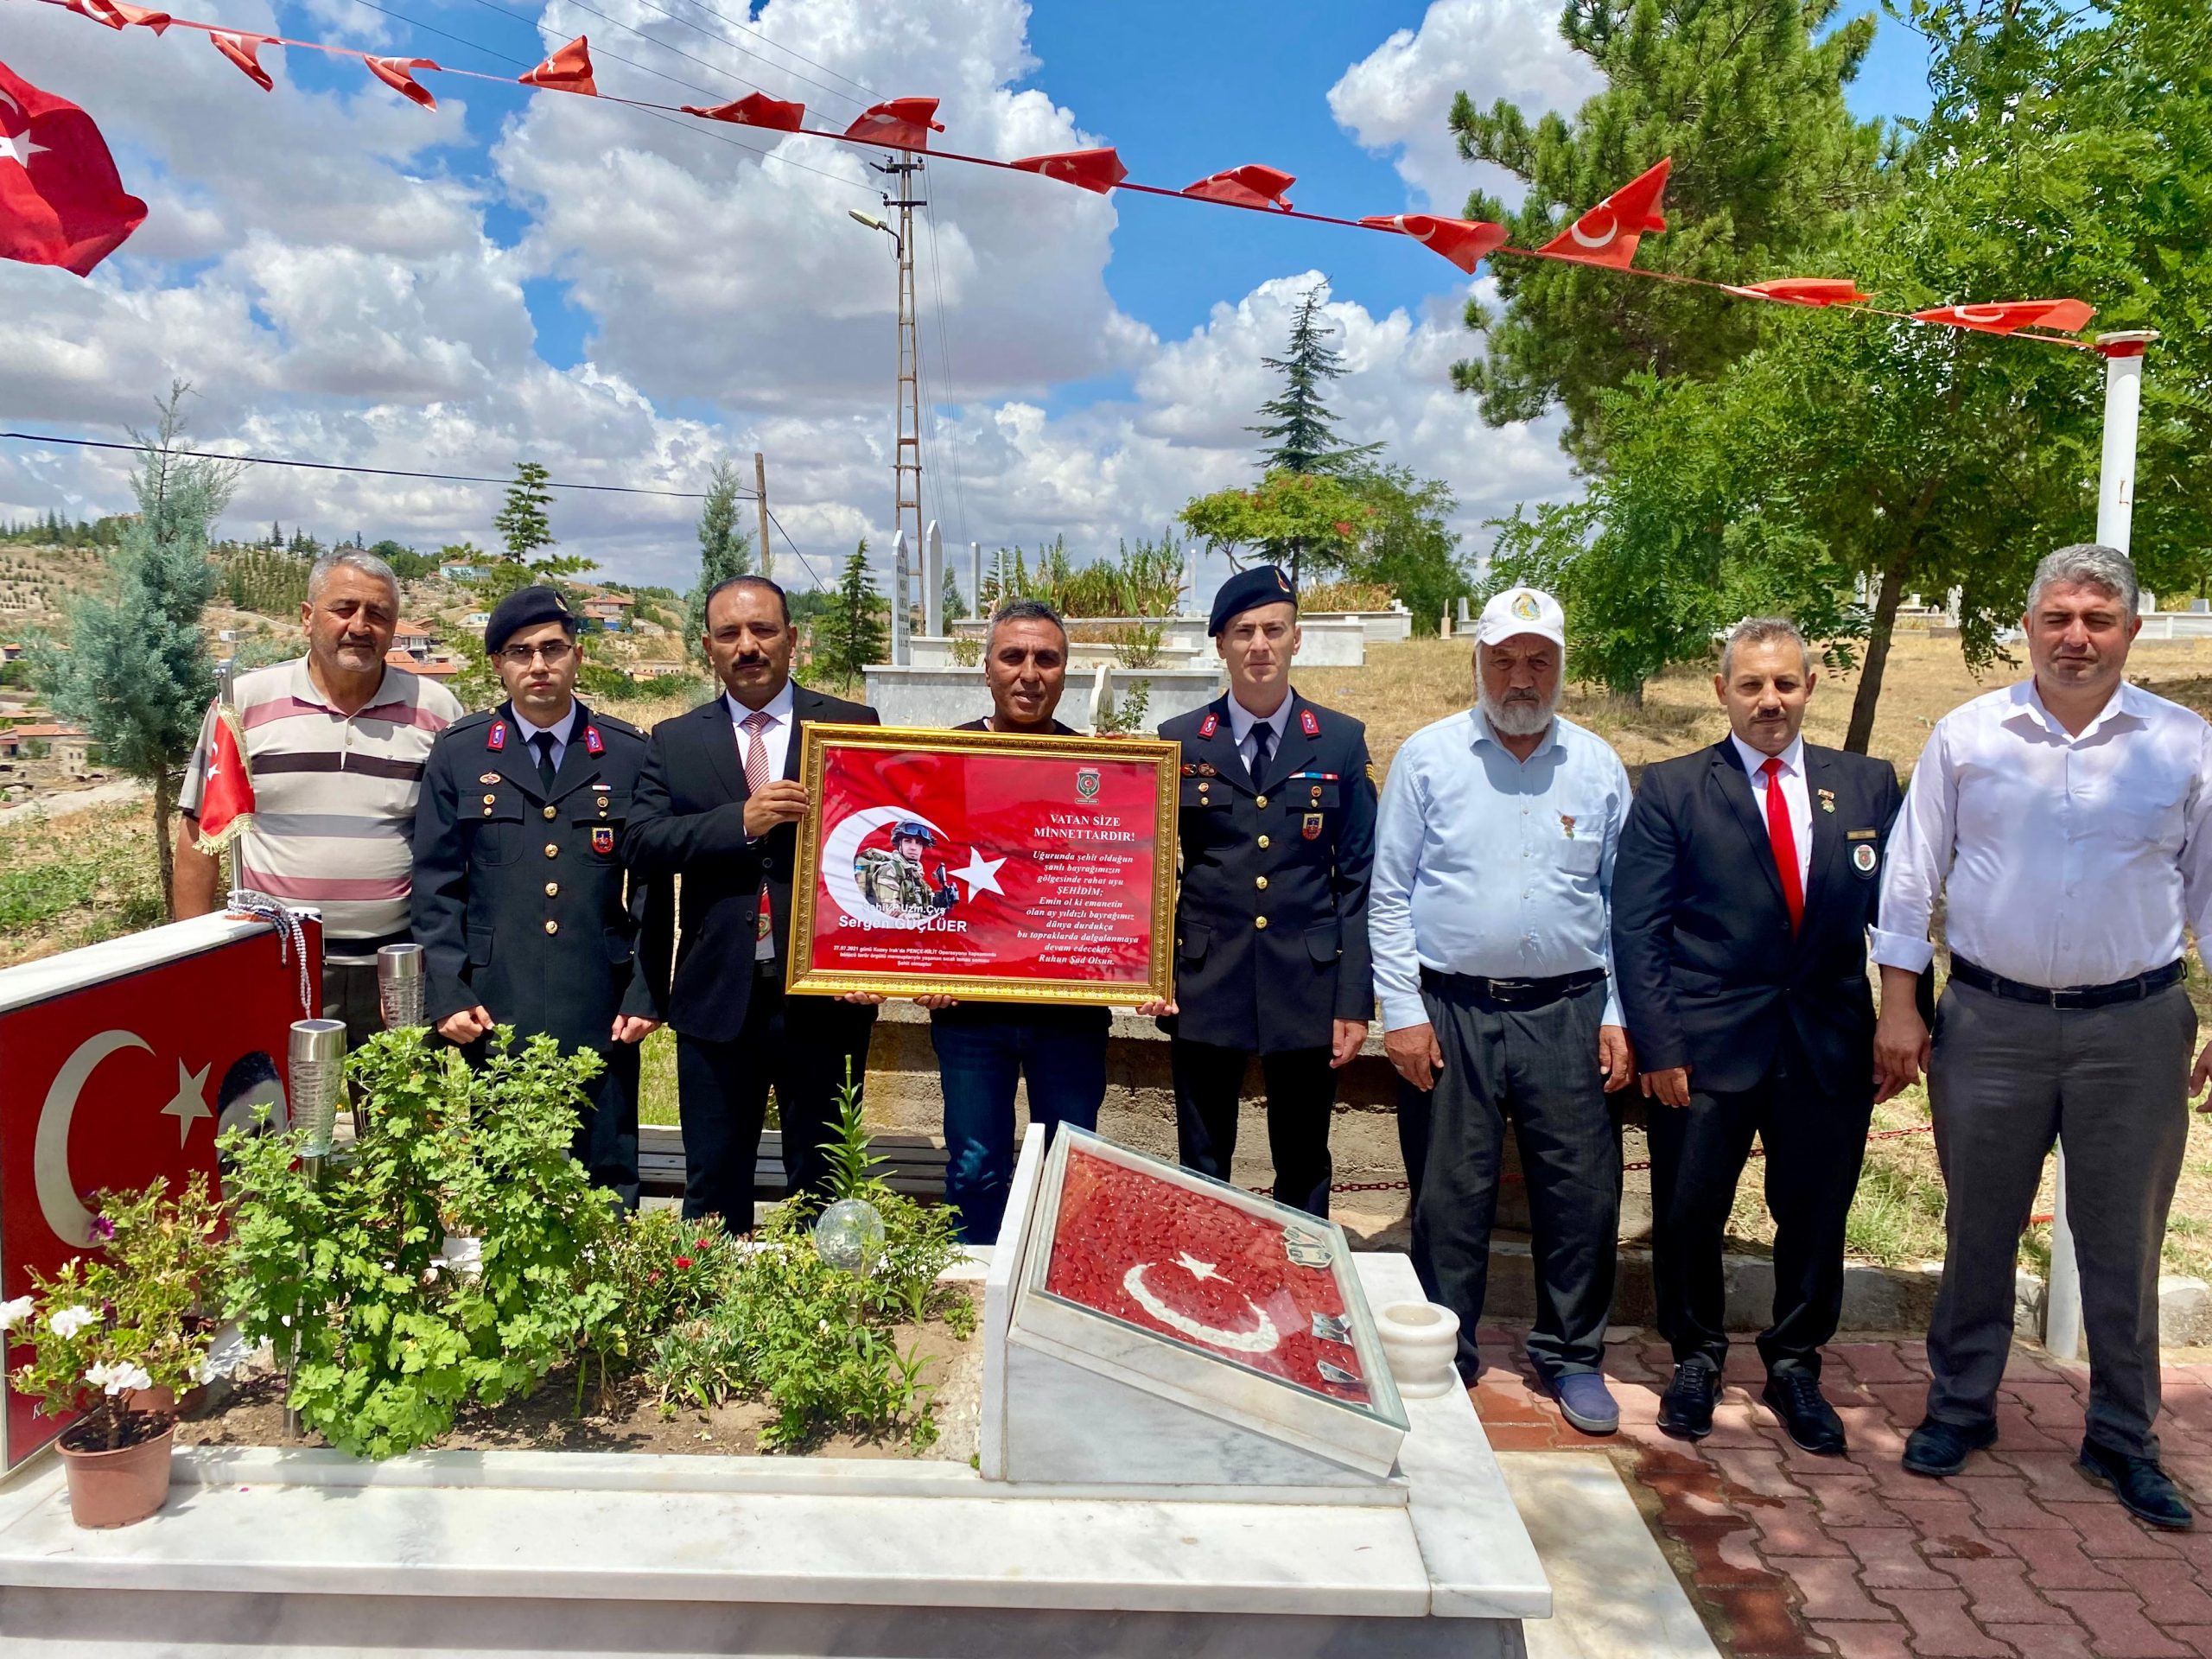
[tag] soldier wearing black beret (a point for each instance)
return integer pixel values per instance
(524, 912)
(1277, 830)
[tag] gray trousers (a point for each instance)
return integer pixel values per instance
(349, 993)
(2007, 1079)
(1538, 1067)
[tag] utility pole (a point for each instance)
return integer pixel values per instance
(906, 457)
(760, 499)
(2123, 355)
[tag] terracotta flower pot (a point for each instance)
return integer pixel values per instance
(115, 1489)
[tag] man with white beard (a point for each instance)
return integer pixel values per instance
(1491, 919)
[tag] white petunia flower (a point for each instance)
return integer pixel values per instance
(70, 1320)
(14, 1313)
(114, 1379)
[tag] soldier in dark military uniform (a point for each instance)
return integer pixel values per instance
(1277, 830)
(520, 902)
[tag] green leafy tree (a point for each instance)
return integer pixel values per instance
(956, 605)
(1300, 432)
(523, 525)
(406, 564)
(135, 674)
(1746, 97)
(725, 550)
(1306, 521)
(855, 630)
(1404, 542)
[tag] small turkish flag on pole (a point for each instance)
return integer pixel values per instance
(226, 798)
(62, 201)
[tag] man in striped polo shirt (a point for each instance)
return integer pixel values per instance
(335, 741)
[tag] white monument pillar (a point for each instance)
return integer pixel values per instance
(902, 652)
(933, 583)
(976, 577)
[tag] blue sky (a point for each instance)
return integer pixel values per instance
(345, 277)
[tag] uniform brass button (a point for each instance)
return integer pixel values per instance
(1259, 921)
(1261, 882)
(1260, 801)
(602, 800)
(489, 799)
(1263, 841)
(552, 812)
(488, 812)
(552, 926)
(552, 851)
(552, 889)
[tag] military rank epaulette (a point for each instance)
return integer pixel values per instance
(1307, 723)
(1210, 724)
(594, 743)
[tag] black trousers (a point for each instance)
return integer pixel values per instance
(1301, 1089)
(800, 1046)
(606, 1136)
(1539, 1068)
(1815, 1142)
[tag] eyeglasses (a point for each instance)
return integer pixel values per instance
(555, 651)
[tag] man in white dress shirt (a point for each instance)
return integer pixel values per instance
(2064, 820)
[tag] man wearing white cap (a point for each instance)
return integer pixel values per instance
(1490, 924)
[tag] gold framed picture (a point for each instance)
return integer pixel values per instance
(986, 866)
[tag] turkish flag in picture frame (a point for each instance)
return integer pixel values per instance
(985, 865)
(122, 1062)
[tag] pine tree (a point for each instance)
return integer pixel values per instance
(725, 550)
(1301, 431)
(851, 633)
(136, 675)
(521, 521)
(955, 607)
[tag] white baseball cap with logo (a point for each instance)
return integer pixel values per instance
(1522, 610)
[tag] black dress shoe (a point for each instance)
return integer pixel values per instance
(1686, 1409)
(2142, 1487)
(1794, 1397)
(1936, 1449)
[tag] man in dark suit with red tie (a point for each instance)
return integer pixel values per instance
(718, 803)
(1746, 880)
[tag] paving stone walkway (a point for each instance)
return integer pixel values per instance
(2019, 1557)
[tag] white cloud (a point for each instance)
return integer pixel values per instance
(1396, 98)
(323, 267)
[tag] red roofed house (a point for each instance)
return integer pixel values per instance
(413, 638)
(428, 670)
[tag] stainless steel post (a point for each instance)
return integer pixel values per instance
(316, 1078)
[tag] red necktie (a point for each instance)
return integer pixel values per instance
(1783, 840)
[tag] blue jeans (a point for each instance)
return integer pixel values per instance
(981, 1052)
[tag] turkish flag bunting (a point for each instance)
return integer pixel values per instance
(1251, 186)
(1465, 242)
(1803, 290)
(226, 797)
(245, 50)
(1087, 169)
(755, 110)
(567, 70)
(1607, 234)
(157, 21)
(61, 201)
(394, 72)
(100, 11)
(899, 124)
(2006, 316)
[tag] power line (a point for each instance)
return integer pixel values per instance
(733, 46)
(801, 557)
(374, 471)
(789, 52)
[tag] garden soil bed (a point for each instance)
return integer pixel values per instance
(253, 1415)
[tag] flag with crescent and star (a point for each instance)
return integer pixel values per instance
(227, 799)
(62, 201)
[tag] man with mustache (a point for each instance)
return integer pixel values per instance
(1746, 881)
(2067, 821)
(718, 803)
(335, 741)
(1493, 959)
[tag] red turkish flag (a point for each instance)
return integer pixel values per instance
(898, 124)
(567, 70)
(118, 14)
(1250, 186)
(226, 797)
(755, 110)
(1465, 242)
(2004, 315)
(1805, 290)
(62, 201)
(245, 50)
(1086, 169)
(1607, 234)
(394, 72)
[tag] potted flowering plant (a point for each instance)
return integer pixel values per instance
(117, 1335)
